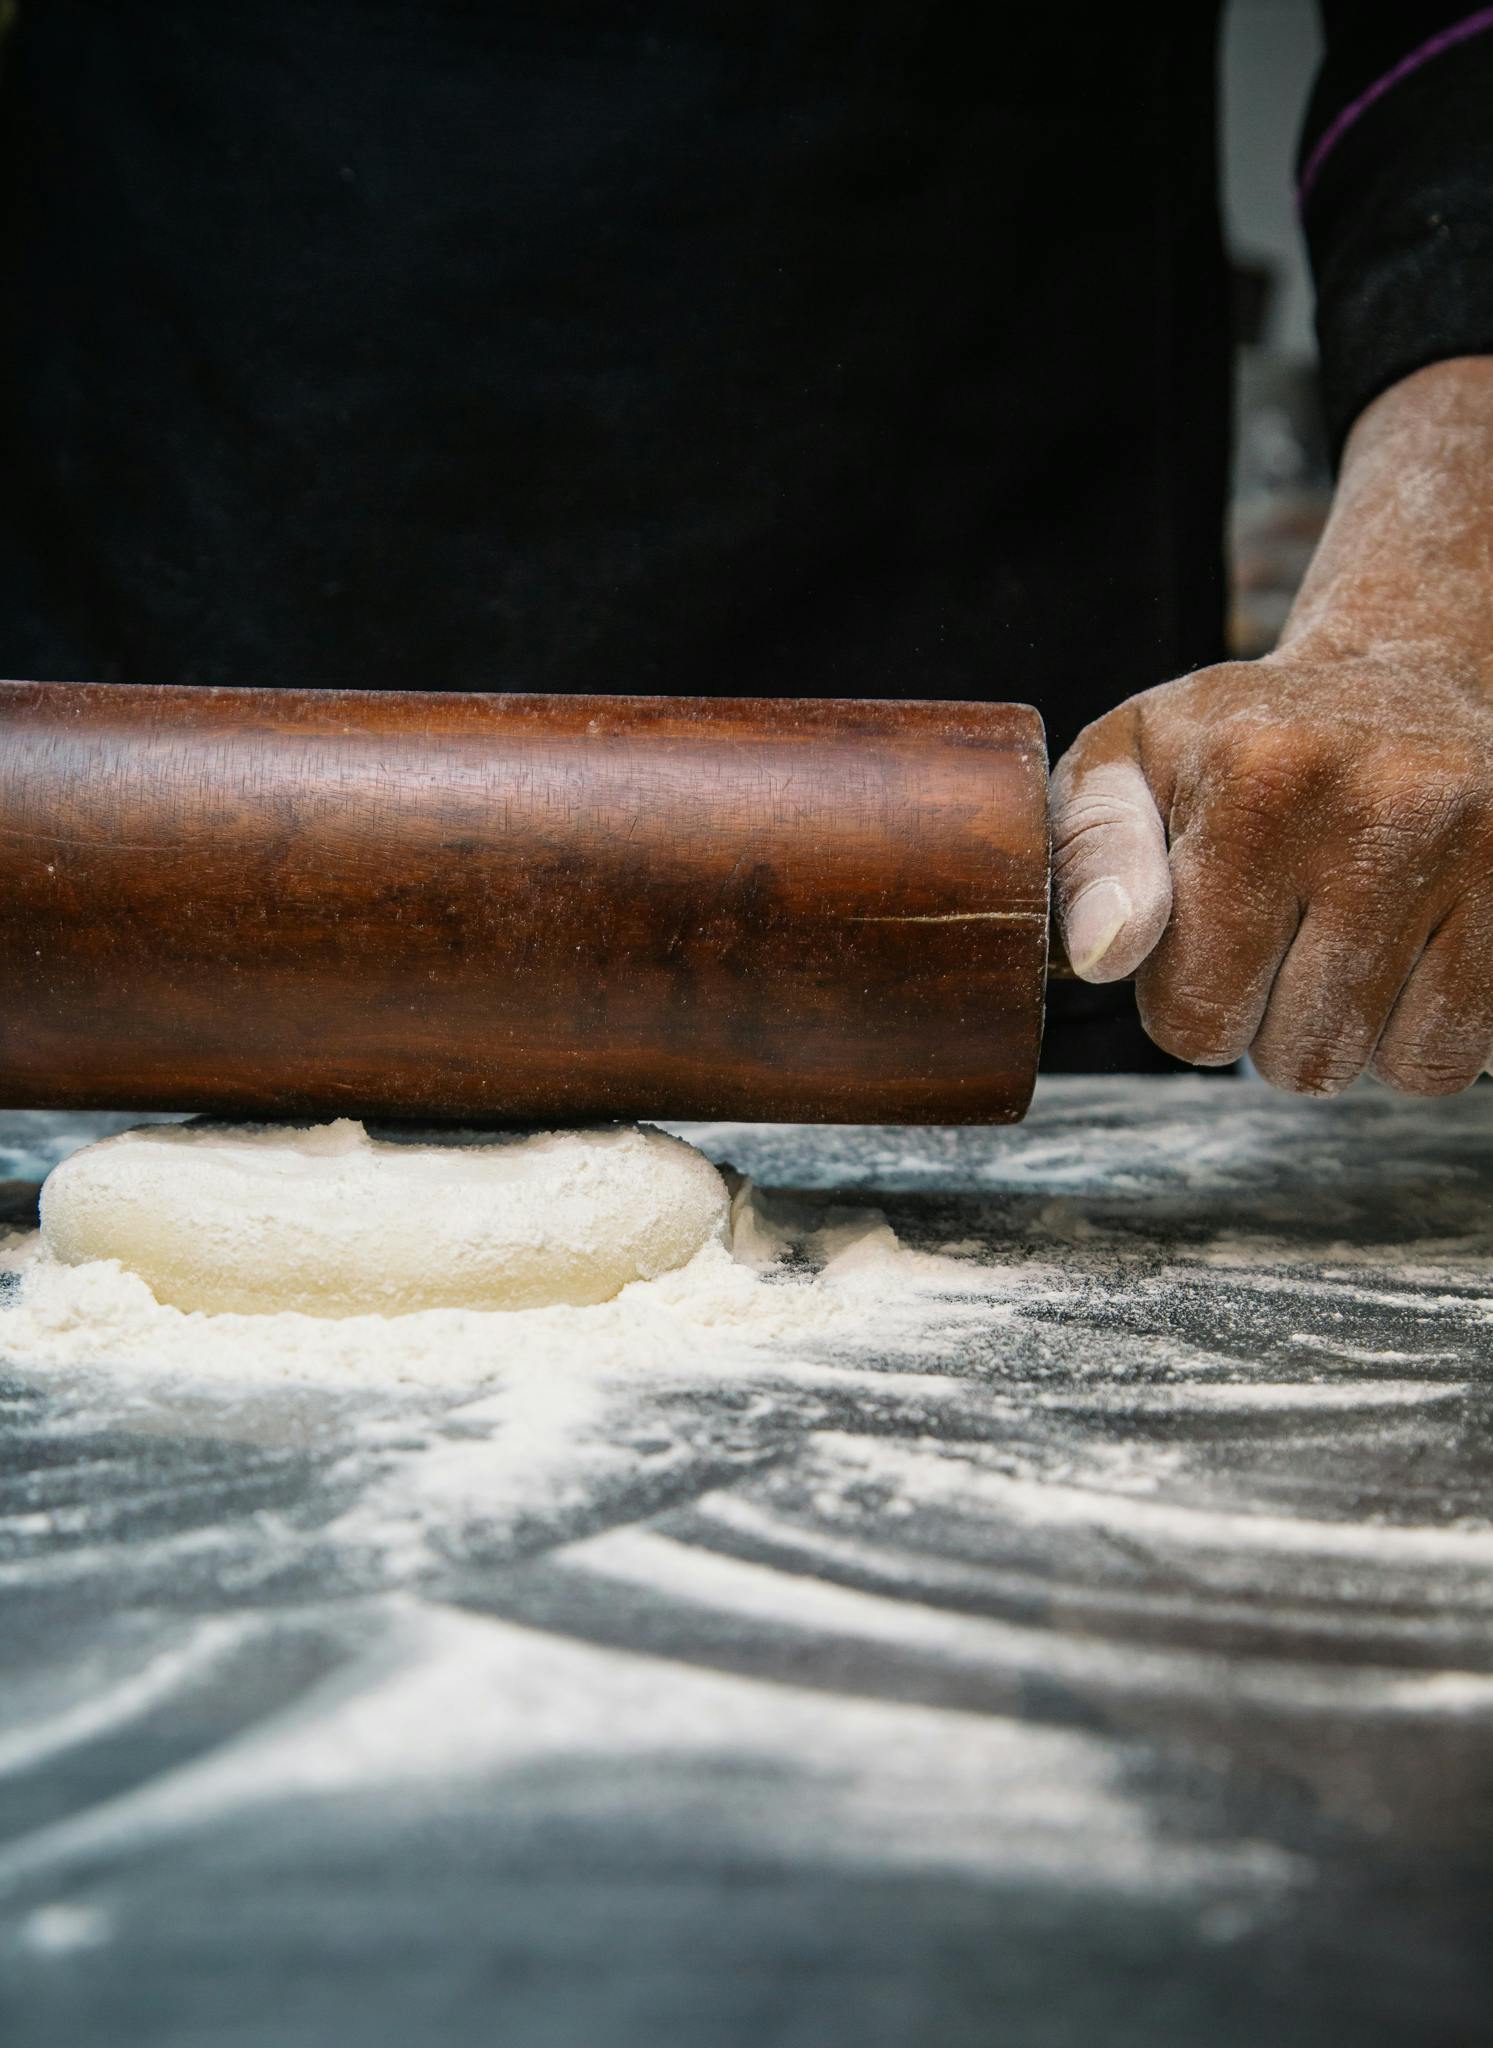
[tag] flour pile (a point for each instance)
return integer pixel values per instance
(742, 1280)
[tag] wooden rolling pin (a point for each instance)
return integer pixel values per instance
(519, 908)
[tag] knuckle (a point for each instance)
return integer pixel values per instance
(1256, 790)
(1308, 1064)
(1271, 763)
(1418, 1069)
(1475, 838)
(1191, 1024)
(1318, 1034)
(1398, 798)
(1468, 849)
(1390, 820)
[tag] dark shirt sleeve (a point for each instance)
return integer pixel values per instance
(1396, 192)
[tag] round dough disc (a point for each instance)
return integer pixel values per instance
(335, 1223)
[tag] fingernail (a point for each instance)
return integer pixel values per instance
(1095, 920)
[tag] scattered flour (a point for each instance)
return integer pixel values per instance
(1216, 1509)
(744, 1770)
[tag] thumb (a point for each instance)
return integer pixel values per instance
(1110, 873)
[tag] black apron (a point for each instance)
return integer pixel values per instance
(870, 349)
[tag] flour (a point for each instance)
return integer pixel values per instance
(765, 1773)
(848, 1283)
(1102, 1504)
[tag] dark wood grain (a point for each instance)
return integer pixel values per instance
(274, 902)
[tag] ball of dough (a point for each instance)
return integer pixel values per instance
(335, 1223)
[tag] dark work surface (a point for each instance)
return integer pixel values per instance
(1121, 1674)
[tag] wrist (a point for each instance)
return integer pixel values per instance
(1402, 570)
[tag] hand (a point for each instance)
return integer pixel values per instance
(1330, 880)
(1295, 855)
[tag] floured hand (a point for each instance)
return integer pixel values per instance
(1294, 856)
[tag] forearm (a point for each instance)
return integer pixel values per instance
(1406, 562)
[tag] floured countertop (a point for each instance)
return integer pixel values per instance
(1093, 1645)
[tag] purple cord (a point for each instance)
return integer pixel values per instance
(1463, 31)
